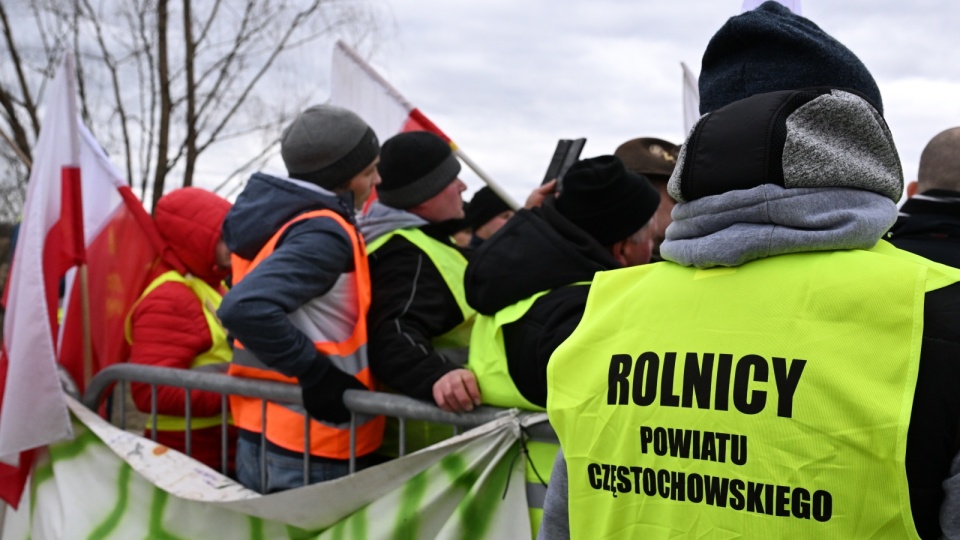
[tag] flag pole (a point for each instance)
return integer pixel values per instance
(422, 119)
(71, 178)
(486, 178)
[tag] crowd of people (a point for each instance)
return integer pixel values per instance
(785, 367)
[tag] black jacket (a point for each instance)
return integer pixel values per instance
(537, 250)
(411, 305)
(929, 225)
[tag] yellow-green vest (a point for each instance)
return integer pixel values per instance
(451, 264)
(218, 353)
(488, 355)
(771, 400)
(488, 361)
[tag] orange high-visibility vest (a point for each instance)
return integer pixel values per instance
(284, 421)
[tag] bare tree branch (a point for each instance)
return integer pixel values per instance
(18, 67)
(111, 64)
(298, 19)
(13, 146)
(163, 72)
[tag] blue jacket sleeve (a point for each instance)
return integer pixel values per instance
(307, 261)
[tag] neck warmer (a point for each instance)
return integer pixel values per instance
(736, 227)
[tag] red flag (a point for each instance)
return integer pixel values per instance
(78, 209)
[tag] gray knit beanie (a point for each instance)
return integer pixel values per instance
(771, 48)
(327, 146)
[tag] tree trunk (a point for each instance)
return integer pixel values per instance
(163, 70)
(190, 50)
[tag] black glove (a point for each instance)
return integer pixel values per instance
(324, 400)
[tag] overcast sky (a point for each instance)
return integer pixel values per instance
(506, 79)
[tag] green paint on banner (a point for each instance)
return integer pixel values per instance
(359, 526)
(407, 525)
(355, 523)
(478, 508)
(63, 451)
(338, 530)
(113, 519)
(256, 528)
(157, 507)
(296, 533)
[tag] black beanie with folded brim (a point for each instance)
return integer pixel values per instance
(771, 48)
(604, 199)
(484, 206)
(414, 166)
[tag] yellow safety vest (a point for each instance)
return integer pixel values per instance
(488, 361)
(763, 401)
(452, 265)
(218, 353)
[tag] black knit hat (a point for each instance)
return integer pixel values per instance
(414, 166)
(606, 200)
(771, 48)
(327, 146)
(484, 206)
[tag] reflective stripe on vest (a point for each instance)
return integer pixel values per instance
(488, 355)
(768, 400)
(452, 265)
(285, 422)
(218, 353)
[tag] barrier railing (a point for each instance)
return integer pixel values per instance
(358, 402)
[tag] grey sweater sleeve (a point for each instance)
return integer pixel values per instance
(950, 508)
(556, 520)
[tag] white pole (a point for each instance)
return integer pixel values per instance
(486, 178)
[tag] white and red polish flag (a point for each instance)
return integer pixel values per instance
(78, 211)
(356, 86)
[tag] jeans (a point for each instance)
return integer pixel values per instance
(283, 472)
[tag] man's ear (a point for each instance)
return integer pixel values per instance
(912, 189)
(617, 251)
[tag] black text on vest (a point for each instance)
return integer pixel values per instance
(649, 377)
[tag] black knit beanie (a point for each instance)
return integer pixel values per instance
(327, 146)
(606, 200)
(484, 206)
(414, 166)
(771, 48)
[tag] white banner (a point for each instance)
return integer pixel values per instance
(111, 483)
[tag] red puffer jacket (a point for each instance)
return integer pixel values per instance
(168, 325)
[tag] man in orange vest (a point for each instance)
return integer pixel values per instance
(299, 302)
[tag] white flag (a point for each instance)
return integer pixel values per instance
(691, 99)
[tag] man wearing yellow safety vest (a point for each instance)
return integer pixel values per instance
(785, 374)
(299, 301)
(419, 321)
(529, 284)
(173, 323)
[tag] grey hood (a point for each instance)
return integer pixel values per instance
(380, 219)
(783, 172)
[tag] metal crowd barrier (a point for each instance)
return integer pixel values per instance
(358, 402)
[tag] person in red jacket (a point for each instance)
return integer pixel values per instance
(173, 324)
